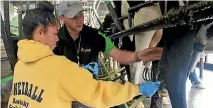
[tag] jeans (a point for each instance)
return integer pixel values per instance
(194, 79)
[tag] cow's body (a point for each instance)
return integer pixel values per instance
(141, 40)
(177, 43)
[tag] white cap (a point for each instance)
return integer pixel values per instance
(69, 8)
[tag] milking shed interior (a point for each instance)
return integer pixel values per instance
(12, 13)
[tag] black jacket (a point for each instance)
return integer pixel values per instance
(90, 45)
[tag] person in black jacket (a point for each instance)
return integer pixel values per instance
(81, 43)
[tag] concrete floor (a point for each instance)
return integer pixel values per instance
(201, 98)
(196, 98)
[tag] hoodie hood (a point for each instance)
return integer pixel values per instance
(32, 51)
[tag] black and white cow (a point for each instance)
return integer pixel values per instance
(177, 43)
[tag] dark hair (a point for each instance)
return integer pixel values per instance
(42, 15)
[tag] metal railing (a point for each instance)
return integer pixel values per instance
(92, 18)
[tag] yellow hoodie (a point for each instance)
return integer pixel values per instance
(44, 80)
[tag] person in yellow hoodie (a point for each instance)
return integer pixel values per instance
(45, 80)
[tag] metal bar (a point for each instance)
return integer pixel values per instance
(114, 16)
(201, 67)
(93, 20)
(5, 31)
(95, 12)
(36, 2)
(165, 7)
(4, 58)
(7, 79)
(200, 12)
(123, 17)
(98, 5)
(152, 25)
(206, 58)
(27, 5)
(96, 16)
(148, 3)
(6, 16)
(20, 31)
(56, 12)
(130, 20)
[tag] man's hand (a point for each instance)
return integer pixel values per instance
(149, 54)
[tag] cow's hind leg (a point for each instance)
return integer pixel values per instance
(143, 39)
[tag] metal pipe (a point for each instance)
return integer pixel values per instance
(20, 33)
(114, 16)
(98, 5)
(96, 16)
(201, 67)
(6, 16)
(27, 5)
(93, 22)
(148, 3)
(152, 25)
(123, 17)
(200, 12)
(94, 4)
(129, 20)
(5, 31)
(56, 12)
(165, 7)
(95, 12)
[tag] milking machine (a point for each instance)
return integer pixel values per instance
(147, 72)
